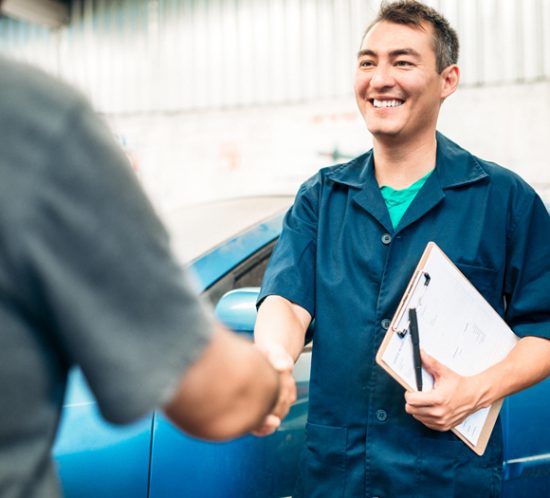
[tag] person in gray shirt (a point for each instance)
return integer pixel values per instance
(87, 279)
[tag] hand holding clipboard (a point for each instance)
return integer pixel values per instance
(474, 339)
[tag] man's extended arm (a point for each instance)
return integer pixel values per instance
(227, 392)
(281, 324)
(280, 332)
(455, 397)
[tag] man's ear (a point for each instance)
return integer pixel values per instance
(450, 76)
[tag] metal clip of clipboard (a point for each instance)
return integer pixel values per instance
(427, 278)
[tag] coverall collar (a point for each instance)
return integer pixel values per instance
(455, 167)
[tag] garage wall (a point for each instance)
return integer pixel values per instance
(212, 154)
(135, 56)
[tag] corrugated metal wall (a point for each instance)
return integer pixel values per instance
(176, 55)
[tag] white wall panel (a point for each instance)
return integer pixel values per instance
(292, 52)
(545, 22)
(277, 61)
(491, 43)
(180, 55)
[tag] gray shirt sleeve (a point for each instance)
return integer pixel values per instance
(95, 267)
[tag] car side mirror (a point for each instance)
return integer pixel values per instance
(237, 309)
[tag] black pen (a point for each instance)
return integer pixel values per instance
(413, 325)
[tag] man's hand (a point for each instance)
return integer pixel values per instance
(227, 392)
(452, 399)
(283, 363)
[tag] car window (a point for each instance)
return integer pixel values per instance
(249, 273)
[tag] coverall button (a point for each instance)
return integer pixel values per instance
(381, 415)
(386, 239)
(386, 323)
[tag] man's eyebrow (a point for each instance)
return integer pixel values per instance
(404, 51)
(364, 52)
(393, 53)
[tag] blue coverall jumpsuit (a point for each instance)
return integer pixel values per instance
(340, 259)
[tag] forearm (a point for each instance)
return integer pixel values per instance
(281, 324)
(280, 333)
(228, 392)
(527, 364)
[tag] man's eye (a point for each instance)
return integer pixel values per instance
(366, 63)
(403, 63)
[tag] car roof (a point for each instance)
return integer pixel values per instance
(196, 229)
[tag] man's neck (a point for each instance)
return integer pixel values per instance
(400, 165)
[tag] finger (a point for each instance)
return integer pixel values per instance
(272, 421)
(288, 387)
(431, 365)
(428, 361)
(281, 362)
(435, 417)
(420, 398)
(270, 424)
(426, 417)
(428, 412)
(434, 423)
(279, 358)
(263, 431)
(283, 407)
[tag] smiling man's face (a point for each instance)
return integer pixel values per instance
(397, 87)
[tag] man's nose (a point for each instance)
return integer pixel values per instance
(382, 77)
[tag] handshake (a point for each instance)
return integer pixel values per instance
(283, 363)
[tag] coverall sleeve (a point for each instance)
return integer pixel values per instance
(527, 276)
(291, 269)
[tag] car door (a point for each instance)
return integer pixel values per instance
(96, 458)
(248, 466)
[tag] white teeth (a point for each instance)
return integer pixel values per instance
(387, 103)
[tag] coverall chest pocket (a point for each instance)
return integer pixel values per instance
(485, 280)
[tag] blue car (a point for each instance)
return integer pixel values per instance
(228, 251)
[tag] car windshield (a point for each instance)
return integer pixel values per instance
(195, 229)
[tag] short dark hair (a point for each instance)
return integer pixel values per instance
(414, 13)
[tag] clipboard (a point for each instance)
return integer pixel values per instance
(457, 326)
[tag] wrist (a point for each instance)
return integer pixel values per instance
(482, 394)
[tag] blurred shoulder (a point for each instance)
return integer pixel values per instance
(29, 94)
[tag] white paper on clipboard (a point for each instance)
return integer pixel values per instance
(456, 326)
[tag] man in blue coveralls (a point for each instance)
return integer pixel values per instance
(351, 242)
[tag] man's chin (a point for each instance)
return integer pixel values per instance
(384, 134)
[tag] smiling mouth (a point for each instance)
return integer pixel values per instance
(379, 104)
